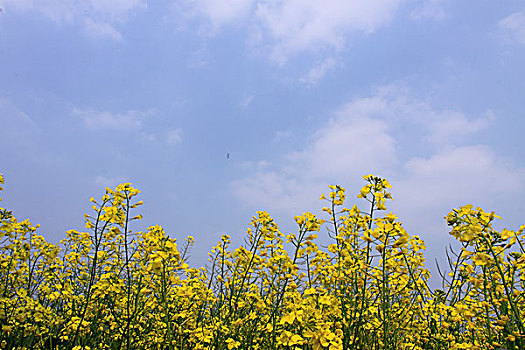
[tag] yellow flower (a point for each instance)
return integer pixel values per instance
(364, 191)
(481, 259)
(288, 339)
(506, 234)
(287, 319)
(232, 344)
(299, 220)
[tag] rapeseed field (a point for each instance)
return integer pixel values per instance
(112, 288)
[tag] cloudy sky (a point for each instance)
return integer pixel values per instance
(300, 93)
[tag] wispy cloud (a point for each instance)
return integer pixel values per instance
(100, 29)
(285, 28)
(429, 9)
(14, 117)
(433, 185)
(514, 27)
(283, 135)
(448, 126)
(101, 120)
(339, 150)
(217, 13)
(316, 73)
(462, 174)
(18, 130)
(201, 58)
(291, 27)
(109, 181)
(117, 9)
(245, 101)
(344, 147)
(438, 128)
(174, 137)
(366, 136)
(98, 18)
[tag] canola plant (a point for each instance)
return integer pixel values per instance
(112, 288)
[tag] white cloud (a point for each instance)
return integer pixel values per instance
(55, 10)
(117, 8)
(246, 100)
(98, 17)
(174, 137)
(430, 9)
(100, 29)
(290, 27)
(432, 186)
(514, 27)
(318, 72)
(440, 128)
(17, 5)
(18, 131)
(459, 176)
(111, 182)
(13, 117)
(270, 190)
(100, 120)
(294, 26)
(149, 137)
(282, 135)
(261, 165)
(449, 126)
(283, 29)
(200, 58)
(344, 147)
(365, 136)
(217, 13)
(340, 150)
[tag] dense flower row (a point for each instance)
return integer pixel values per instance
(111, 288)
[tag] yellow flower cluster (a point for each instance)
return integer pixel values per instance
(112, 288)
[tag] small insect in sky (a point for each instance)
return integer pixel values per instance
(227, 156)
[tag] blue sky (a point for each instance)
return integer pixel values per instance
(300, 93)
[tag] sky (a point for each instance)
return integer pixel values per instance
(218, 109)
